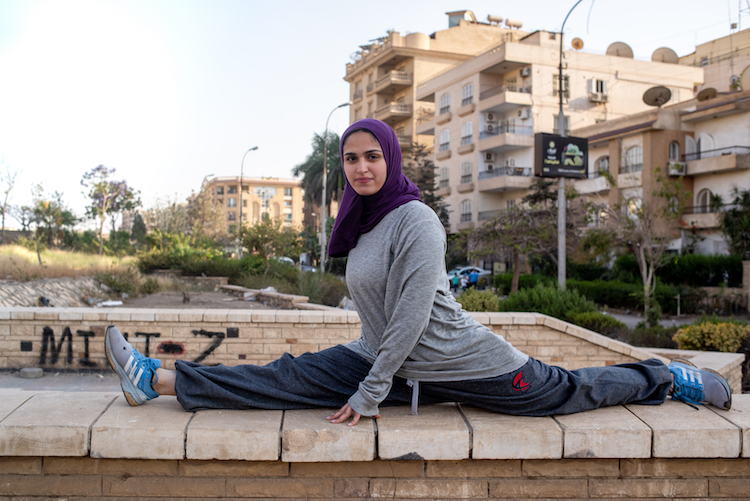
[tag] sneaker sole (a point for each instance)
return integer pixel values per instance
(118, 370)
(724, 383)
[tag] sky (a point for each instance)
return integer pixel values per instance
(170, 91)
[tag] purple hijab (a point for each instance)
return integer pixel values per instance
(358, 214)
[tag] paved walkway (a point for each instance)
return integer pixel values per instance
(61, 381)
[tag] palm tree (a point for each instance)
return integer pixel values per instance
(311, 171)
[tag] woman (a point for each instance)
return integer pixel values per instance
(417, 344)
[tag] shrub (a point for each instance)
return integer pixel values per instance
(710, 336)
(121, 282)
(150, 286)
(503, 281)
(696, 270)
(653, 337)
(548, 300)
(601, 323)
(617, 294)
(474, 300)
(585, 271)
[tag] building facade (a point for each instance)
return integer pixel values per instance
(251, 199)
(705, 142)
(489, 107)
(383, 81)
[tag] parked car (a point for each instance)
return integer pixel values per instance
(465, 270)
(307, 267)
(283, 259)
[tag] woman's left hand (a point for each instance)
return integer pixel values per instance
(344, 413)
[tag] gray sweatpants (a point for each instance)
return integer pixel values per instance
(328, 378)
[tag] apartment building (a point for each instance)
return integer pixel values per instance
(383, 80)
(256, 198)
(704, 141)
(725, 62)
(490, 106)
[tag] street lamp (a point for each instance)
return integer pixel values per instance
(323, 199)
(561, 205)
(239, 226)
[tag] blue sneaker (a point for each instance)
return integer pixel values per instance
(699, 386)
(136, 372)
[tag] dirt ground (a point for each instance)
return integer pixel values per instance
(202, 300)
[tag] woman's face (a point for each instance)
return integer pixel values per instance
(364, 163)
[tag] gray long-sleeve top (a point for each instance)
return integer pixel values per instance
(412, 327)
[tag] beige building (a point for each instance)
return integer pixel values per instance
(383, 80)
(258, 198)
(704, 141)
(491, 105)
(725, 62)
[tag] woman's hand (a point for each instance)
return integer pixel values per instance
(344, 413)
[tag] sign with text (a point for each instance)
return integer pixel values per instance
(557, 156)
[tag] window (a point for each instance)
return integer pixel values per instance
(466, 172)
(244, 203)
(265, 194)
(674, 151)
(358, 114)
(466, 211)
(633, 160)
(633, 208)
(445, 103)
(596, 85)
(556, 85)
(703, 202)
(232, 190)
(232, 202)
(510, 205)
(467, 94)
(556, 124)
(601, 165)
(510, 162)
(219, 190)
(444, 177)
(467, 136)
(445, 140)
(287, 192)
(287, 218)
(231, 216)
(287, 203)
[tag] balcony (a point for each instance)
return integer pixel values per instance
(426, 121)
(700, 217)
(357, 95)
(504, 98)
(595, 184)
(728, 159)
(506, 137)
(444, 117)
(466, 109)
(676, 168)
(632, 180)
(506, 179)
(392, 82)
(393, 112)
(404, 141)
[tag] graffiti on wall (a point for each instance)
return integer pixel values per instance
(53, 351)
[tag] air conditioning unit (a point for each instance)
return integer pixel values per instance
(490, 117)
(490, 156)
(526, 72)
(524, 113)
(490, 167)
(524, 90)
(598, 97)
(491, 128)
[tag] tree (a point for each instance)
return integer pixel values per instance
(421, 170)
(204, 217)
(269, 238)
(168, 216)
(644, 225)
(311, 171)
(108, 197)
(735, 223)
(139, 231)
(9, 181)
(49, 215)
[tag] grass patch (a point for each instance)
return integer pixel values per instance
(21, 264)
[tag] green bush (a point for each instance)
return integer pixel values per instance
(474, 300)
(653, 337)
(503, 281)
(696, 270)
(150, 286)
(585, 271)
(617, 294)
(710, 336)
(548, 300)
(601, 323)
(127, 282)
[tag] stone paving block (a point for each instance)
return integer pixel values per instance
(95, 315)
(10, 400)
(5, 313)
(480, 317)
(254, 435)
(74, 314)
(287, 316)
(191, 315)
(218, 316)
(152, 431)
(264, 316)
(739, 415)
(523, 318)
(240, 316)
(119, 314)
(403, 436)
(500, 436)
(52, 424)
(679, 431)
(143, 315)
(311, 317)
(500, 318)
(167, 315)
(611, 432)
(337, 316)
(22, 313)
(307, 436)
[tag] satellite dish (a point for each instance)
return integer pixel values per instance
(620, 49)
(577, 43)
(734, 83)
(656, 96)
(665, 55)
(706, 94)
